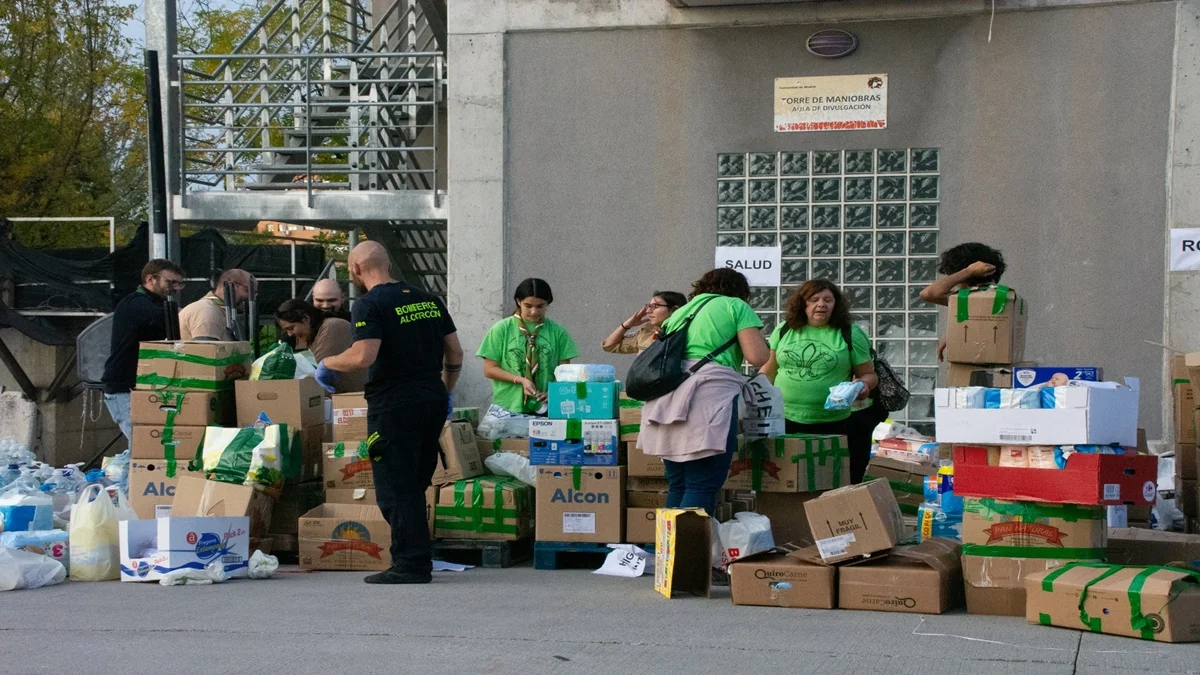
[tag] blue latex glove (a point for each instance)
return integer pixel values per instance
(450, 406)
(325, 377)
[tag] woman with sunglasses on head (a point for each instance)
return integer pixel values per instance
(640, 331)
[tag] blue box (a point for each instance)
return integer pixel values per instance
(1031, 376)
(574, 442)
(583, 400)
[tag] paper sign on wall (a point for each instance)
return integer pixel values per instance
(836, 103)
(1185, 249)
(760, 264)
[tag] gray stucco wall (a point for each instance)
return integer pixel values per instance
(1054, 142)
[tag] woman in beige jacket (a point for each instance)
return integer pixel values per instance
(640, 331)
(322, 335)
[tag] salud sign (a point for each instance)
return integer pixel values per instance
(836, 103)
(1185, 249)
(760, 264)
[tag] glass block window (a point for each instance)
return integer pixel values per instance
(866, 219)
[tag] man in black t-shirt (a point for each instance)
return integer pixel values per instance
(138, 317)
(408, 340)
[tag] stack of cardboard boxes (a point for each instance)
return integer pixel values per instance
(181, 389)
(580, 465)
(646, 481)
(985, 337)
(1186, 498)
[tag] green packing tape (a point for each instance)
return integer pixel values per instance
(1137, 619)
(496, 443)
(1041, 553)
(574, 430)
(465, 518)
(581, 391)
(1182, 381)
(364, 449)
(819, 455)
(628, 403)
(1071, 513)
(999, 302)
(630, 429)
(339, 451)
(577, 476)
(172, 465)
(964, 312)
(908, 509)
(1044, 619)
(156, 380)
(897, 486)
(192, 358)
(758, 454)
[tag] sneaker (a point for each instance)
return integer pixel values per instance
(393, 576)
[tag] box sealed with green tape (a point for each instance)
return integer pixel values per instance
(791, 463)
(487, 507)
(583, 400)
(202, 366)
(907, 480)
(995, 527)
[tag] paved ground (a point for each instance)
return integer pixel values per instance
(518, 621)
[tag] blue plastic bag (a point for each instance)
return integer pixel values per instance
(842, 396)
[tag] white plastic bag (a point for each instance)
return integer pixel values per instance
(500, 423)
(512, 464)
(585, 372)
(21, 569)
(761, 406)
(263, 566)
(95, 540)
(213, 573)
(748, 533)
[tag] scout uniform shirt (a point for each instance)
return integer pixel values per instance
(718, 321)
(505, 344)
(412, 326)
(204, 318)
(811, 360)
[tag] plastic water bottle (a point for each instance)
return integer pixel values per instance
(11, 474)
(117, 471)
(97, 477)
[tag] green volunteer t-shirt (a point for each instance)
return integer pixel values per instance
(718, 321)
(811, 360)
(505, 345)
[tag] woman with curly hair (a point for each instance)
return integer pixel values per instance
(695, 428)
(814, 348)
(963, 266)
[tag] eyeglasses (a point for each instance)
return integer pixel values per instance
(174, 284)
(657, 305)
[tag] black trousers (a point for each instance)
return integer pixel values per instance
(404, 456)
(857, 430)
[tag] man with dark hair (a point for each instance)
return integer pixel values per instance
(204, 319)
(138, 317)
(964, 266)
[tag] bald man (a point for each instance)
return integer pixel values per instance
(204, 319)
(407, 339)
(327, 296)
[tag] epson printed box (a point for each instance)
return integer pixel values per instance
(574, 442)
(150, 549)
(1031, 376)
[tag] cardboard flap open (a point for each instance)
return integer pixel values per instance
(943, 555)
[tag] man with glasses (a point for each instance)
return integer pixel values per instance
(138, 318)
(204, 319)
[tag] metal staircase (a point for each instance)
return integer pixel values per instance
(327, 113)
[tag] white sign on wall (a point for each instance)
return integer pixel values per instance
(1185, 249)
(836, 103)
(760, 264)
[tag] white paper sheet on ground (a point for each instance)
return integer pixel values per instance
(443, 566)
(627, 560)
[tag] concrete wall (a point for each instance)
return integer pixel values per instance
(1054, 143)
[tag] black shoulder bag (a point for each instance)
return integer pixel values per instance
(659, 370)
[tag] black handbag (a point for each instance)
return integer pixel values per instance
(659, 370)
(891, 392)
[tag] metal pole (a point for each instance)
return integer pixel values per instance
(353, 240)
(156, 151)
(292, 244)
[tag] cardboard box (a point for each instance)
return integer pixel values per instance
(1032, 529)
(1137, 546)
(178, 443)
(646, 500)
(989, 329)
(297, 403)
(179, 407)
(1092, 416)
(349, 417)
(782, 580)
(1025, 377)
(517, 446)
(295, 501)
(152, 485)
(206, 365)
(577, 503)
(995, 586)
(351, 496)
(582, 400)
(789, 524)
(349, 537)
(975, 375)
(574, 442)
(1186, 497)
(631, 424)
(1184, 400)
(925, 579)
(195, 496)
(641, 464)
(504, 511)
(791, 463)
(639, 525)
(347, 465)
(1185, 461)
(855, 521)
(1148, 603)
(907, 480)
(459, 456)
(181, 543)
(465, 415)
(682, 552)
(308, 443)
(1103, 480)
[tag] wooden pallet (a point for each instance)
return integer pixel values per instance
(483, 552)
(561, 555)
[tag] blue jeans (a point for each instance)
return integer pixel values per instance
(695, 484)
(118, 409)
